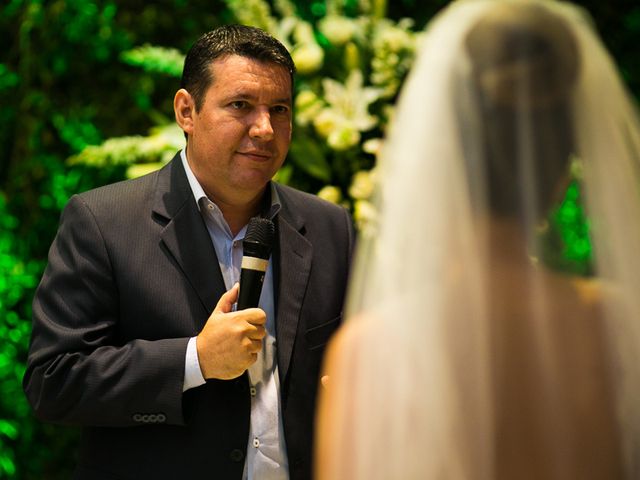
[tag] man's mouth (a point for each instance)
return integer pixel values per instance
(257, 155)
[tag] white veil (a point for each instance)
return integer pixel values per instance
(466, 355)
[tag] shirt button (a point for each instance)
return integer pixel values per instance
(253, 391)
(210, 207)
(256, 442)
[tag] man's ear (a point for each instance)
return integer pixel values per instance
(184, 108)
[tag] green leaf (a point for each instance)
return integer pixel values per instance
(155, 59)
(308, 156)
(8, 429)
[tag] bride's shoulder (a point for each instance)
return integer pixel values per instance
(358, 333)
(354, 331)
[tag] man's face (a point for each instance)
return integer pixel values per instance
(240, 137)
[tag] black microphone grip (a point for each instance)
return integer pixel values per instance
(250, 288)
(257, 246)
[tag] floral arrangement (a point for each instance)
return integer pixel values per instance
(350, 68)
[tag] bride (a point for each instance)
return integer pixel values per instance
(466, 354)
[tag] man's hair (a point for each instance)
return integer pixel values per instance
(240, 40)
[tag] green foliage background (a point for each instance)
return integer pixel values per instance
(69, 79)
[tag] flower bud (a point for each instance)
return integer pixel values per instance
(308, 58)
(338, 30)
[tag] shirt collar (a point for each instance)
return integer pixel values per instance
(271, 204)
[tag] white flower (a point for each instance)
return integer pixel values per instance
(362, 185)
(393, 47)
(254, 12)
(171, 134)
(303, 32)
(373, 146)
(307, 107)
(347, 113)
(140, 169)
(326, 122)
(286, 8)
(338, 29)
(284, 29)
(308, 57)
(393, 37)
(343, 138)
(330, 193)
(351, 101)
(365, 216)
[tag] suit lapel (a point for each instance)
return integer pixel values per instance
(295, 254)
(187, 240)
(185, 235)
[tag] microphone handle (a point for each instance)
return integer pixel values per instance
(250, 288)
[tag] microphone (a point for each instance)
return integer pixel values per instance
(257, 245)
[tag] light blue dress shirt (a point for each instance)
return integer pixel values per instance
(266, 450)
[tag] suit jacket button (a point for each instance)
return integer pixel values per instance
(236, 455)
(162, 418)
(137, 417)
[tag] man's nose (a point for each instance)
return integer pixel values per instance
(261, 125)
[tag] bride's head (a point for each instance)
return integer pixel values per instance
(524, 64)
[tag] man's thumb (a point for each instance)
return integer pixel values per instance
(225, 304)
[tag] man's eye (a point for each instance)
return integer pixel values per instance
(280, 109)
(239, 104)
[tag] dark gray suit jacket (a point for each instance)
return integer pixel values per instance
(132, 275)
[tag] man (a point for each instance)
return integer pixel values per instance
(134, 337)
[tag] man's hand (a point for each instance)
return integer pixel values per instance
(230, 341)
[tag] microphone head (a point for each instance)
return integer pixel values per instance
(258, 241)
